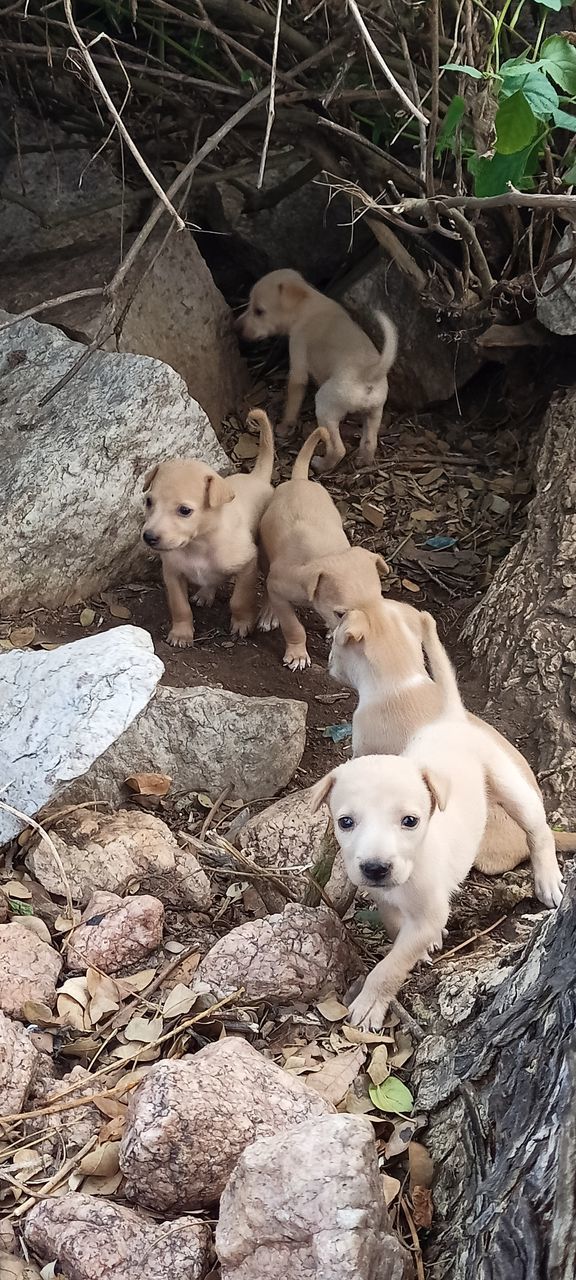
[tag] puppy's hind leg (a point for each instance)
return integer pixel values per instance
(369, 442)
(524, 805)
(329, 413)
(244, 600)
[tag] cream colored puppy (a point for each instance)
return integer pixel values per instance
(327, 345)
(310, 560)
(409, 829)
(204, 528)
(380, 652)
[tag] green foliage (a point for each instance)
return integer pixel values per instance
(450, 126)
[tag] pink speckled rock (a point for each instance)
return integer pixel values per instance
(29, 969)
(115, 933)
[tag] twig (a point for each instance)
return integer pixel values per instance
(52, 303)
(31, 822)
(98, 81)
(444, 955)
(391, 78)
(55, 1180)
(359, 138)
(417, 1254)
(517, 199)
(434, 96)
(477, 254)
(404, 260)
(213, 811)
(408, 1022)
(416, 95)
(271, 99)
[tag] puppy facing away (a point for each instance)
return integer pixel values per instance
(380, 652)
(327, 345)
(309, 558)
(409, 829)
(204, 528)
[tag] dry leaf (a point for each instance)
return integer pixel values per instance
(425, 514)
(12, 1268)
(404, 1049)
(41, 1014)
(104, 994)
(102, 1162)
(114, 1128)
(115, 609)
(136, 1050)
(136, 982)
(400, 1139)
(102, 1186)
(422, 1207)
(15, 889)
(63, 924)
(373, 514)
(149, 784)
(356, 1104)
(145, 1030)
(184, 971)
(77, 988)
(87, 617)
(21, 637)
(332, 1009)
(333, 1080)
(179, 1000)
(391, 1188)
(421, 1166)
(356, 1036)
(174, 948)
(246, 446)
(379, 1068)
(71, 1013)
(409, 585)
(35, 925)
(112, 1108)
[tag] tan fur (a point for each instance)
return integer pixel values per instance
(409, 828)
(204, 527)
(310, 560)
(328, 346)
(380, 653)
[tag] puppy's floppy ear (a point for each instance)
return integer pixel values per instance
(438, 787)
(149, 478)
(293, 291)
(217, 492)
(321, 792)
(354, 626)
(381, 565)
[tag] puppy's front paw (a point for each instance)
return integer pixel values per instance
(181, 635)
(365, 456)
(296, 658)
(368, 1011)
(242, 626)
(285, 429)
(205, 596)
(268, 620)
(549, 887)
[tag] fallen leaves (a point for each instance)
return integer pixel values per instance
(392, 1096)
(149, 784)
(333, 1080)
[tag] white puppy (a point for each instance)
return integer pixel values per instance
(409, 828)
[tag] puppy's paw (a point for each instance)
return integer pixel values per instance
(285, 429)
(181, 635)
(323, 464)
(296, 659)
(206, 596)
(368, 1011)
(365, 456)
(267, 620)
(242, 626)
(549, 887)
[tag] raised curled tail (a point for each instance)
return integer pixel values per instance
(441, 668)
(302, 462)
(390, 349)
(565, 841)
(264, 463)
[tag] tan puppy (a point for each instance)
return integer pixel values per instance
(310, 559)
(409, 829)
(328, 346)
(204, 528)
(379, 652)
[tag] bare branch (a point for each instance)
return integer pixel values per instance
(271, 100)
(391, 78)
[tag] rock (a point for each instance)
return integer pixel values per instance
(433, 360)
(79, 529)
(310, 1203)
(190, 1120)
(7, 1236)
(86, 1235)
(4, 908)
(176, 314)
(287, 834)
(29, 970)
(556, 302)
(205, 739)
(87, 1120)
(112, 852)
(18, 1061)
(61, 708)
(115, 933)
(295, 955)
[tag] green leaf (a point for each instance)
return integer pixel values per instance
(563, 120)
(392, 1096)
(493, 176)
(19, 908)
(447, 135)
(569, 177)
(551, 4)
(516, 124)
(559, 61)
(540, 95)
(463, 70)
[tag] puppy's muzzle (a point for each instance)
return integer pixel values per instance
(375, 872)
(150, 538)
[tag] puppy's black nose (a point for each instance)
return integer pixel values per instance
(375, 872)
(151, 539)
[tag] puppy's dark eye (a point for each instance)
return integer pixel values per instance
(346, 823)
(258, 311)
(184, 511)
(148, 503)
(410, 822)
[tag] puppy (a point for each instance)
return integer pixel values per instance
(409, 829)
(380, 653)
(309, 558)
(328, 346)
(204, 528)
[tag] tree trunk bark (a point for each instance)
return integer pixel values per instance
(501, 1098)
(524, 630)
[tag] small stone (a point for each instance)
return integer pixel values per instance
(288, 834)
(294, 955)
(310, 1203)
(88, 1237)
(4, 908)
(7, 1236)
(18, 1061)
(88, 1120)
(115, 933)
(29, 970)
(191, 1118)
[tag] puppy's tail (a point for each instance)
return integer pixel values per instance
(565, 841)
(390, 349)
(441, 668)
(264, 464)
(302, 462)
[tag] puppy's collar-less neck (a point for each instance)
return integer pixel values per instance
(376, 689)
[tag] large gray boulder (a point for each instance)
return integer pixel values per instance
(73, 459)
(61, 708)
